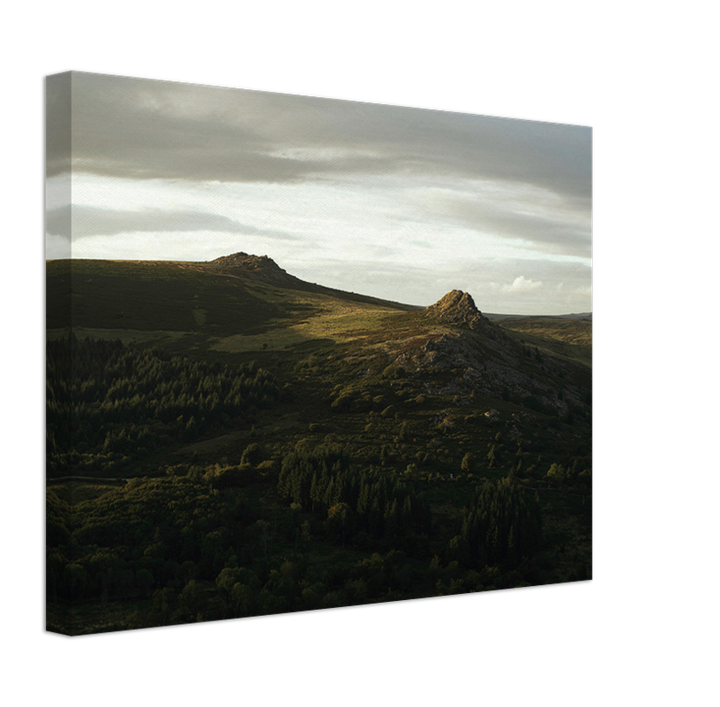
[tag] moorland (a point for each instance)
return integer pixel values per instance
(227, 440)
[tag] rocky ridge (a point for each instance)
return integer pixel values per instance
(457, 307)
(263, 269)
(481, 357)
(258, 267)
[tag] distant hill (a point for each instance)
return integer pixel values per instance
(261, 268)
(265, 269)
(499, 317)
(574, 336)
(243, 304)
(583, 315)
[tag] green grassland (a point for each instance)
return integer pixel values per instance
(573, 331)
(194, 306)
(153, 297)
(182, 519)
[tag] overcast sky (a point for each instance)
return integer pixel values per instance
(399, 203)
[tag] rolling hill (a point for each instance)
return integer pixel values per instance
(240, 391)
(247, 306)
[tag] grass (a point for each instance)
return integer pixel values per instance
(151, 297)
(577, 332)
(333, 320)
(153, 303)
(572, 331)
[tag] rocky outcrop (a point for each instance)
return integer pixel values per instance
(457, 307)
(486, 367)
(481, 357)
(258, 267)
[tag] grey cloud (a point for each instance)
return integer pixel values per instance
(559, 231)
(556, 157)
(58, 123)
(152, 129)
(544, 233)
(58, 222)
(91, 221)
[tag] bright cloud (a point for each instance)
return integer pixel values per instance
(520, 284)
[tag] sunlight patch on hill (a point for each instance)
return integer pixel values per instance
(339, 321)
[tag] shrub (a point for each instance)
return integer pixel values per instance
(411, 471)
(251, 455)
(557, 472)
(342, 404)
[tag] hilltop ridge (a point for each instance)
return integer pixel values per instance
(458, 309)
(264, 269)
(260, 267)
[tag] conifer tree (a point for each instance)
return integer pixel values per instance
(491, 457)
(363, 504)
(375, 519)
(407, 519)
(315, 492)
(330, 497)
(512, 551)
(391, 519)
(468, 463)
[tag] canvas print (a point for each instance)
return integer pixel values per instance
(306, 353)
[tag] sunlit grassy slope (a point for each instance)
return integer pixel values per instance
(198, 306)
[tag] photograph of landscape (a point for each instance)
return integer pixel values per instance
(306, 353)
